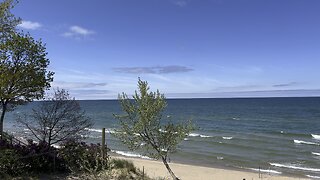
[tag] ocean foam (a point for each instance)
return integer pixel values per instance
(295, 167)
(130, 154)
(186, 139)
(315, 136)
(199, 135)
(305, 142)
(227, 138)
(313, 177)
(100, 130)
(220, 158)
(315, 153)
(56, 146)
(266, 171)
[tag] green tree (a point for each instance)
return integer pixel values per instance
(142, 126)
(8, 21)
(57, 120)
(23, 72)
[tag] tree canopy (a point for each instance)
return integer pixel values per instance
(142, 126)
(23, 64)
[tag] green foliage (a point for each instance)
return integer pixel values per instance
(23, 64)
(16, 160)
(9, 162)
(80, 157)
(8, 21)
(123, 164)
(142, 123)
(23, 67)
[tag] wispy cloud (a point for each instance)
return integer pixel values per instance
(78, 32)
(285, 84)
(30, 25)
(76, 85)
(247, 94)
(153, 70)
(180, 3)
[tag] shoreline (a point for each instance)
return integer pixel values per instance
(155, 169)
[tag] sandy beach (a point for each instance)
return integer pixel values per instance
(190, 172)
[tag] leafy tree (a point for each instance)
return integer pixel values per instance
(8, 21)
(23, 64)
(57, 120)
(142, 126)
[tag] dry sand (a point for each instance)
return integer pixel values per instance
(190, 172)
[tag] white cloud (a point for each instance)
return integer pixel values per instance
(30, 25)
(78, 32)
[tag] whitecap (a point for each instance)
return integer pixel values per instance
(227, 138)
(204, 136)
(315, 136)
(194, 135)
(93, 130)
(56, 146)
(315, 153)
(186, 139)
(305, 142)
(109, 131)
(163, 131)
(199, 135)
(295, 167)
(313, 177)
(266, 171)
(220, 158)
(131, 154)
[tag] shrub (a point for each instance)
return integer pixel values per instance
(80, 157)
(33, 158)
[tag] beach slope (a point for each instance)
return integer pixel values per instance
(190, 172)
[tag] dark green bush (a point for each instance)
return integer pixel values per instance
(16, 160)
(80, 157)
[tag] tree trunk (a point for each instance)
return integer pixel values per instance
(4, 109)
(164, 160)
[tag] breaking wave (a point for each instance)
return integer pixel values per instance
(199, 135)
(100, 130)
(130, 154)
(305, 142)
(313, 177)
(315, 136)
(315, 153)
(266, 171)
(227, 138)
(294, 167)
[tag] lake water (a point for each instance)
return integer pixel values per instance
(279, 135)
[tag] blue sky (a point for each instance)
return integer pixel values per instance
(184, 48)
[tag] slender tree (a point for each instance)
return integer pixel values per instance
(58, 119)
(143, 128)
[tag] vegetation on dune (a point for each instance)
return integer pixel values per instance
(142, 126)
(75, 160)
